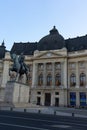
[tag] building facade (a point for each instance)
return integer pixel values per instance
(58, 70)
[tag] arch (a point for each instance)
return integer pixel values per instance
(72, 79)
(82, 79)
(49, 79)
(58, 79)
(40, 79)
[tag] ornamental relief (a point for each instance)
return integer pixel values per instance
(49, 54)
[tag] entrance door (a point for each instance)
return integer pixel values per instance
(72, 98)
(56, 101)
(82, 99)
(38, 100)
(47, 99)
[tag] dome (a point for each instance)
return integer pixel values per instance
(53, 41)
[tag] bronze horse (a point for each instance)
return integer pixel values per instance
(18, 67)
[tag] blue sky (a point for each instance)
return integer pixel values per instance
(30, 20)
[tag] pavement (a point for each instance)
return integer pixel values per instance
(31, 121)
(61, 111)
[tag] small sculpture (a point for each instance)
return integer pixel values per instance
(19, 66)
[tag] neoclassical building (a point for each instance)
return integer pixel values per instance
(58, 70)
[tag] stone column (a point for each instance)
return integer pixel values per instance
(65, 74)
(35, 75)
(62, 73)
(77, 99)
(42, 98)
(5, 73)
(61, 98)
(77, 75)
(52, 98)
(44, 75)
(53, 74)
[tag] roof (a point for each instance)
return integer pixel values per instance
(25, 48)
(76, 44)
(52, 41)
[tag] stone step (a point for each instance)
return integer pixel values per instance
(21, 105)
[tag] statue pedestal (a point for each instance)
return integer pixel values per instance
(16, 93)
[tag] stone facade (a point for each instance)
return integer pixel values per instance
(56, 78)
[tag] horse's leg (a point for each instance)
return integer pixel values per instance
(11, 74)
(26, 76)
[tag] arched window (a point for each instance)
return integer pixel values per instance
(49, 79)
(82, 79)
(58, 79)
(72, 80)
(40, 79)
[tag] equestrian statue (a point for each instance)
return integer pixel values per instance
(19, 66)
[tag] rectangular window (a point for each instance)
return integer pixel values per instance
(81, 64)
(72, 65)
(49, 66)
(40, 66)
(57, 65)
(56, 93)
(38, 92)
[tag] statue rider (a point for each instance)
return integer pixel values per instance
(21, 61)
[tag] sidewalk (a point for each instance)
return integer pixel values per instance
(73, 111)
(61, 111)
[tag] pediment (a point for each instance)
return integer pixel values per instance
(49, 55)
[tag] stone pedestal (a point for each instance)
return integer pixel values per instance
(16, 92)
